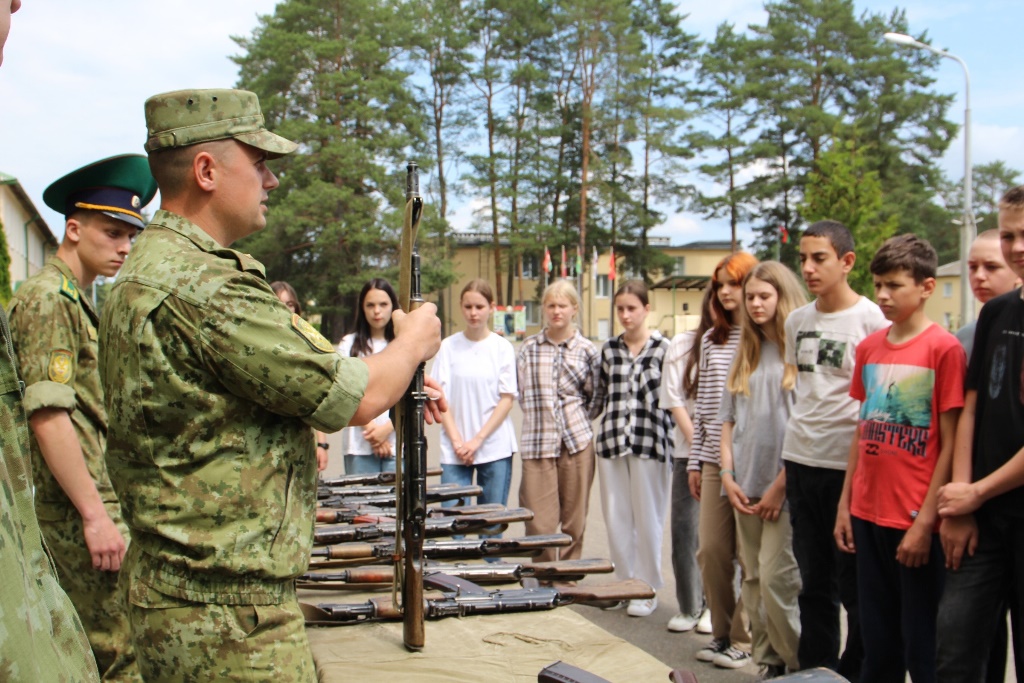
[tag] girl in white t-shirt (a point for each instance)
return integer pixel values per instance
(477, 372)
(371, 449)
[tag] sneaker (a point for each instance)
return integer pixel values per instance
(614, 605)
(704, 623)
(731, 658)
(642, 608)
(712, 649)
(770, 671)
(681, 623)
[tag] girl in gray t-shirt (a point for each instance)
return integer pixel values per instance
(754, 411)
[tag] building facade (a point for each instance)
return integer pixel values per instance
(29, 239)
(675, 296)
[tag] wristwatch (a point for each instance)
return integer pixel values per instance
(323, 444)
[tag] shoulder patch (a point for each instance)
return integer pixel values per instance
(68, 288)
(59, 368)
(309, 333)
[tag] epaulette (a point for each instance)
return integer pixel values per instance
(68, 288)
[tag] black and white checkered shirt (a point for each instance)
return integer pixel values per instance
(633, 422)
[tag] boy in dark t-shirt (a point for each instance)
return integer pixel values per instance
(983, 507)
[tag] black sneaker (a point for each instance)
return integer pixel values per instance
(716, 647)
(770, 671)
(731, 658)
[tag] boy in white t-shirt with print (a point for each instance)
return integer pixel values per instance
(821, 338)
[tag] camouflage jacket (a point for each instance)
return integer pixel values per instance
(54, 329)
(42, 637)
(212, 386)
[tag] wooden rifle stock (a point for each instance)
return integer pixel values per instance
(445, 549)
(433, 527)
(478, 572)
(465, 599)
(370, 479)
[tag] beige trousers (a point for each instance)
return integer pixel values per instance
(558, 492)
(717, 558)
(771, 586)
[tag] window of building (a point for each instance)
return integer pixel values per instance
(947, 290)
(678, 266)
(604, 287)
(948, 320)
(530, 266)
(532, 310)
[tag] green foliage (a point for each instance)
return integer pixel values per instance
(842, 188)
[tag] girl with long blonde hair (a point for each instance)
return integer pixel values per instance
(754, 412)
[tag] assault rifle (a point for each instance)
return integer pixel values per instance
(445, 549)
(432, 528)
(378, 490)
(410, 440)
(434, 495)
(480, 572)
(460, 598)
(370, 479)
(369, 514)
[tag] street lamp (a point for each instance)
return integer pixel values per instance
(967, 230)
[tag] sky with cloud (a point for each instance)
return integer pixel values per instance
(76, 74)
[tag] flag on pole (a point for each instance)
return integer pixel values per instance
(783, 234)
(546, 266)
(611, 265)
(565, 268)
(579, 263)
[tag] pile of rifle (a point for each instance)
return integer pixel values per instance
(371, 521)
(355, 548)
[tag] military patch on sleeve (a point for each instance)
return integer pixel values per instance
(68, 289)
(309, 333)
(59, 369)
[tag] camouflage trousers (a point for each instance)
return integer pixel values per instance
(94, 593)
(189, 642)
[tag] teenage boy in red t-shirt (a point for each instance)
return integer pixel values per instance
(909, 380)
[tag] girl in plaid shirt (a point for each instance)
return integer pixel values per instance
(634, 444)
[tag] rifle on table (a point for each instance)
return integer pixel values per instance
(410, 439)
(445, 549)
(435, 495)
(432, 528)
(459, 598)
(371, 514)
(344, 492)
(480, 572)
(369, 479)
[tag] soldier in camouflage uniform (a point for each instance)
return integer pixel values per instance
(212, 387)
(41, 638)
(54, 329)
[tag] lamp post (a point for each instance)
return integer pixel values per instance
(967, 230)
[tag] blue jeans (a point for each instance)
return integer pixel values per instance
(973, 605)
(898, 606)
(828, 575)
(684, 519)
(493, 477)
(368, 464)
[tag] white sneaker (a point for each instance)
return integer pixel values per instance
(642, 608)
(681, 623)
(731, 658)
(704, 623)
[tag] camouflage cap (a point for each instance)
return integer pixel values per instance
(188, 117)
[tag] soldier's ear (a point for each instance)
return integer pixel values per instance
(203, 170)
(73, 230)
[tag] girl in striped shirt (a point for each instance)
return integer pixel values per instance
(717, 531)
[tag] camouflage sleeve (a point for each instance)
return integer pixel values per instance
(45, 334)
(265, 354)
